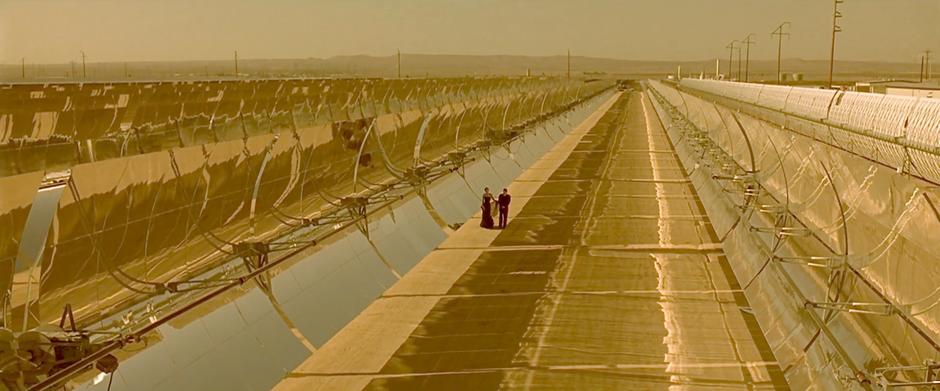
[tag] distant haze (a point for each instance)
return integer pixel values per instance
(55, 31)
(422, 65)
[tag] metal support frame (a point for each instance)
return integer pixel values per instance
(358, 208)
(811, 261)
(254, 254)
(884, 309)
(783, 229)
(740, 106)
(887, 377)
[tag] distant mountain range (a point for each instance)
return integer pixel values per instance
(422, 65)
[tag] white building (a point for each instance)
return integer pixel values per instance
(926, 90)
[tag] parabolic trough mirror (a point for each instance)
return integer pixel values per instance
(231, 228)
(826, 202)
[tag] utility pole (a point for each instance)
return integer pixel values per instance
(927, 65)
(126, 75)
(920, 75)
(568, 73)
(780, 34)
(739, 62)
(747, 59)
(730, 48)
(717, 68)
(84, 73)
(236, 64)
(399, 63)
(835, 29)
(23, 67)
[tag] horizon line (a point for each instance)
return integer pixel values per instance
(241, 59)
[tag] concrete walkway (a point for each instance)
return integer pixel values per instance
(608, 277)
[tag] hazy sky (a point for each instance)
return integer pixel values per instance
(110, 30)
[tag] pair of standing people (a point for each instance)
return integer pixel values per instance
(502, 203)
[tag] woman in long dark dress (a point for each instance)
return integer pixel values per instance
(487, 209)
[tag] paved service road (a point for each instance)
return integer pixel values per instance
(609, 276)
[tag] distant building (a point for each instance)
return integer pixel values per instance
(865, 86)
(900, 87)
(924, 90)
(795, 76)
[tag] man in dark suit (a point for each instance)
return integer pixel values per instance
(503, 202)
